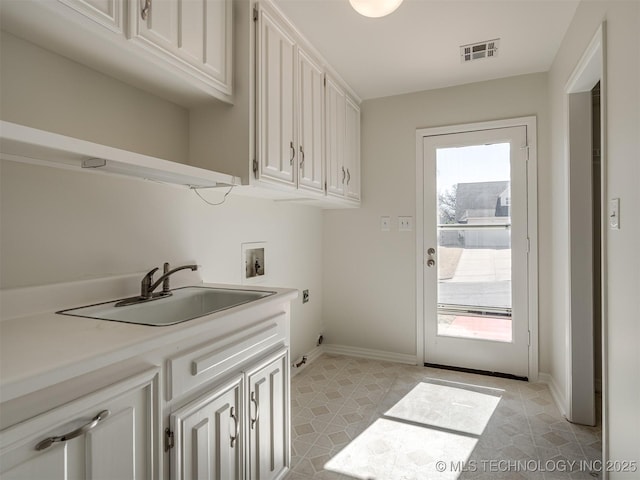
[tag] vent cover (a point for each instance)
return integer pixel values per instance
(478, 51)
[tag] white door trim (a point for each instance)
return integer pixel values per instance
(591, 67)
(532, 226)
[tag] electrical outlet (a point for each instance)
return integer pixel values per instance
(385, 224)
(305, 296)
(405, 224)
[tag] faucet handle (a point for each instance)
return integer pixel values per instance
(146, 283)
(165, 283)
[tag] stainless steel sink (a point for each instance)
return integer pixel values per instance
(186, 303)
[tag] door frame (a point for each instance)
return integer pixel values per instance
(532, 226)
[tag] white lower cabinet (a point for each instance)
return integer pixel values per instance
(243, 421)
(208, 440)
(269, 452)
(108, 434)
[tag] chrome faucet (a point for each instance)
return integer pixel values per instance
(147, 285)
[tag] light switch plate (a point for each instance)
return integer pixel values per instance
(405, 224)
(614, 214)
(385, 224)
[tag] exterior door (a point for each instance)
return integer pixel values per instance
(476, 250)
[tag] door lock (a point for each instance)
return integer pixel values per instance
(431, 253)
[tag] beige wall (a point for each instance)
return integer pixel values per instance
(53, 93)
(369, 275)
(623, 177)
(58, 225)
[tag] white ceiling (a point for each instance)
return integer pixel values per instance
(417, 47)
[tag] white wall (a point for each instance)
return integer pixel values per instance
(623, 177)
(59, 225)
(369, 275)
(50, 92)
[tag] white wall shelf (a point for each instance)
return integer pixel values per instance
(30, 145)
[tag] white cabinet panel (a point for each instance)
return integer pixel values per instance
(335, 137)
(51, 464)
(208, 435)
(342, 128)
(108, 13)
(111, 451)
(276, 101)
(269, 424)
(352, 150)
(120, 445)
(311, 122)
(187, 33)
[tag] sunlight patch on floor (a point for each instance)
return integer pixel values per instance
(431, 424)
(448, 407)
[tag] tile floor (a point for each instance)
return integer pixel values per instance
(336, 399)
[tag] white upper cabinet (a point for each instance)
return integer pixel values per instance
(352, 150)
(195, 32)
(108, 13)
(342, 142)
(335, 137)
(310, 123)
(277, 141)
(178, 49)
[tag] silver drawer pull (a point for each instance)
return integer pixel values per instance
(47, 442)
(255, 402)
(237, 427)
(144, 13)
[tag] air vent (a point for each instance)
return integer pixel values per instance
(478, 51)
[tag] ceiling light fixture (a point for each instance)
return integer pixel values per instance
(375, 8)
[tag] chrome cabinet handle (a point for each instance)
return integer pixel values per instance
(301, 156)
(237, 429)
(144, 13)
(344, 174)
(47, 442)
(293, 153)
(348, 176)
(431, 262)
(255, 402)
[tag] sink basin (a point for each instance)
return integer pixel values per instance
(186, 303)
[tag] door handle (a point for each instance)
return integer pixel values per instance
(293, 153)
(144, 13)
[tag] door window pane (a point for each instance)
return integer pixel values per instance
(474, 242)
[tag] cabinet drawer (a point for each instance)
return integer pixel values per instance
(201, 364)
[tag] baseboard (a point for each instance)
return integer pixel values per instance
(558, 397)
(370, 354)
(311, 356)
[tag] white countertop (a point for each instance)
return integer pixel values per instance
(42, 349)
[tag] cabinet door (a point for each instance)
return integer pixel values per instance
(197, 32)
(311, 123)
(276, 100)
(108, 13)
(269, 445)
(352, 150)
(208, 435)
(120, 445)
(335, 111)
